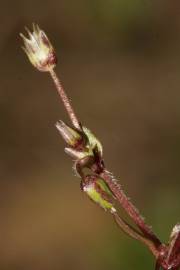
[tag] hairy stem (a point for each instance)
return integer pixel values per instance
(65, 100)
(116, 189)
(128, 206)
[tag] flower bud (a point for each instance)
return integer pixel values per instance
(72, 137)
(98, 191)
(39, 49)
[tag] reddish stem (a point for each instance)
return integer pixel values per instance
(130, 208)
(65, 100)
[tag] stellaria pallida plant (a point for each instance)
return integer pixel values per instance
(87, 151)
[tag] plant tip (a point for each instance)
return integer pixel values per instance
(39, 49)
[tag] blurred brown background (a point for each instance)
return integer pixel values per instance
(120, 64)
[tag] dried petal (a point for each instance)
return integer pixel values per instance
(39, 49)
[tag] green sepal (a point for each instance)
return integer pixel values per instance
(98, 192)
(104, 186)
(93, 141)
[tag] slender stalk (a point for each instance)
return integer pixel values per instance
(65, 99)
(116, 188)
(129, 207)
(135, 234)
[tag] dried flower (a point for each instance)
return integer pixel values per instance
(39, 49)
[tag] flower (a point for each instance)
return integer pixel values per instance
(39, 49)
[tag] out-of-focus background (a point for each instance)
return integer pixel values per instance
(120, 64)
